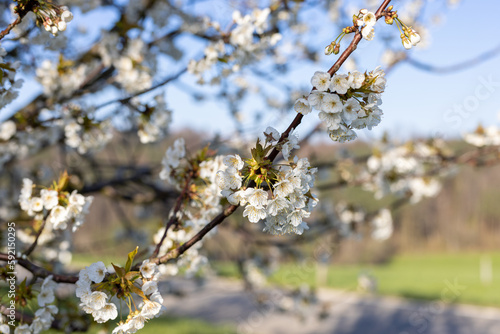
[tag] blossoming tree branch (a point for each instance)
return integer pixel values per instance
(101, 90)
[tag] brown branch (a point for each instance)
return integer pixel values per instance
(18, 315)
(35, 242)
(343, 57)
(56, 324)
(470, 157)
(229, 210)
(10, 27)
(144, 91)
(39, 271)
(455, 67)
(173, 219)
(21, 11)
(175, 253)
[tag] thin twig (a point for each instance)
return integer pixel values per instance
(39, 271)
(35, 243)
(455, 67)
(231, 209)
(175, 253)
(173, 219)
(144, 91)
(343, 57)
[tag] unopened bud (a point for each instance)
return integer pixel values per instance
(389, 20)
(329, 49)
(336, 49)
(406, 42)
(390, 8)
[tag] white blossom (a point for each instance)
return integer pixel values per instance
(233, 161)
(302, 106)
(321, 81)
(50, 198)
(96, 272)
(339, 84)
(107, 312)
(148, 269)
(272, 133)
(368, 32)
(382, 225)
(7, 130)
(331, 103)
(254, 213)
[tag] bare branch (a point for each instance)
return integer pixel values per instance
(39, 271)
(464, 65)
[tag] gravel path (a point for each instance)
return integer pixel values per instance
(223, 301)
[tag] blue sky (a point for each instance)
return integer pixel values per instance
(424, 103)
(416, 103)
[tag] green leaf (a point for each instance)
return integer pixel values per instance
(266, 150)
(131, 256)
(22, 286)
(119, 270)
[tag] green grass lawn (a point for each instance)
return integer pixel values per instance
(414, 276)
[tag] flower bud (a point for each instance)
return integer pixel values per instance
(61, 25)
(329, 49)
(414, 37)
(389, 20)
(67, 16)
(406, 42)
(336, 49)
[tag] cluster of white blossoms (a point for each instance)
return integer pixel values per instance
(246, 38)
(44, 316)
(382, 225)
(130, 62)
(352, 221)
(196, 214)
(409, 37)
(87, 139)
(54, 18)
(154, 127)
(58, 80)
(81, 131)
(489, 136)
(95, 302)
(59, 208)
(171, 161)
(288, 200)
(345, 101)
(366, 20)
(405, 171)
